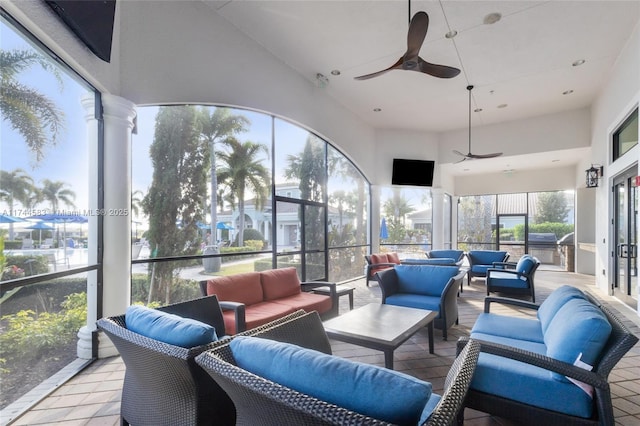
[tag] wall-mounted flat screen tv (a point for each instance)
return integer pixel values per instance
(90, 20)
(412, 172)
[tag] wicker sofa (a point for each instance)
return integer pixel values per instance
(265, 401)
(268, 295)
(163, 385)
(536, 370)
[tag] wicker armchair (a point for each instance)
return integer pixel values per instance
(163, 385)
(620, 341)
(263, 402)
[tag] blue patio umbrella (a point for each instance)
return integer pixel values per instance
(384, 232)
(5, 218)
(40, 226)
(61, 218)
(222, 225)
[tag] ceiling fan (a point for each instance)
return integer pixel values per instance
(469, 155)
(410, 60)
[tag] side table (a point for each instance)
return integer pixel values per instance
(341, 290)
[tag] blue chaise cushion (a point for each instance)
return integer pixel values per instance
(579, 327)
(168, 328)
(428, 280)
(370, 390)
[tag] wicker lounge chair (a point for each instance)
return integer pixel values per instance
(163, 385)
(261, 401)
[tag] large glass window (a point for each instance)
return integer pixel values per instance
(203, 174)
(408, 220)
(626, 136)
(519, 223)
(44, 205)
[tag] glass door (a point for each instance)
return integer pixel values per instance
(625, 255)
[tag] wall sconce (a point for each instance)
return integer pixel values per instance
(593, 174)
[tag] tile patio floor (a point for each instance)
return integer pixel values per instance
(93, 397)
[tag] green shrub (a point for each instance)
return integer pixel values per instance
(31, 265)
(250, 234)
(29, 335)
(181, 290)
(557, 228)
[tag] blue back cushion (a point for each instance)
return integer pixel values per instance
(366, 389)
(428, 280)
(453, 254)
(486, 257)
(525, 264)
(579, 327)
(432, 261)
(554, 302)
(168, 328)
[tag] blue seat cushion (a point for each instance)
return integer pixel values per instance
(527, 345)
(418, 301)
(428, 280)
(508, 326)
(168, 328)
(555, 301)
(579, 327)
(453, 254)
(529, 384)
(480, 269)
(432, 261)
(506, 279)
(374, 391)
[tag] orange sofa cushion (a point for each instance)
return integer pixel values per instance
(278, 283)
(378, 258)
(307, 301)
(244, 288)
(393, 258)
(257, 315)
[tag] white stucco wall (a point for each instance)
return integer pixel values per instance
(617, 99)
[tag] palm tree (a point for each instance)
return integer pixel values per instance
(242, 170)
(56, 193)
(217, 127)
(32, 114)
(15, 186)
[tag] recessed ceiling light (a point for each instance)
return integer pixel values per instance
(578, 62)
(377, 109)
(335, 72)
(451, 34)
(465, 170)
(477, 110)
(492, 18)
(555, 161)
(567, 92)
(503, 105)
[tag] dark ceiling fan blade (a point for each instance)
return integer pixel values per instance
(479, 156)
(460, 154)
(436, 70)
(417, 32)
(397, 65)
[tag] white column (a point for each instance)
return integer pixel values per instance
(118, 115)
(437, 217)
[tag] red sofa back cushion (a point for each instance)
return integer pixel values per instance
(393, 258)
(244, 288)
(279, 283)
(378, 258)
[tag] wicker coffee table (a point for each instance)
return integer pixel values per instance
(381, 327)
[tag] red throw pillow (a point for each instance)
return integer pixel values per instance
(393, 258)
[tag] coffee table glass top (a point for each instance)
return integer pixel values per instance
(384, 324)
